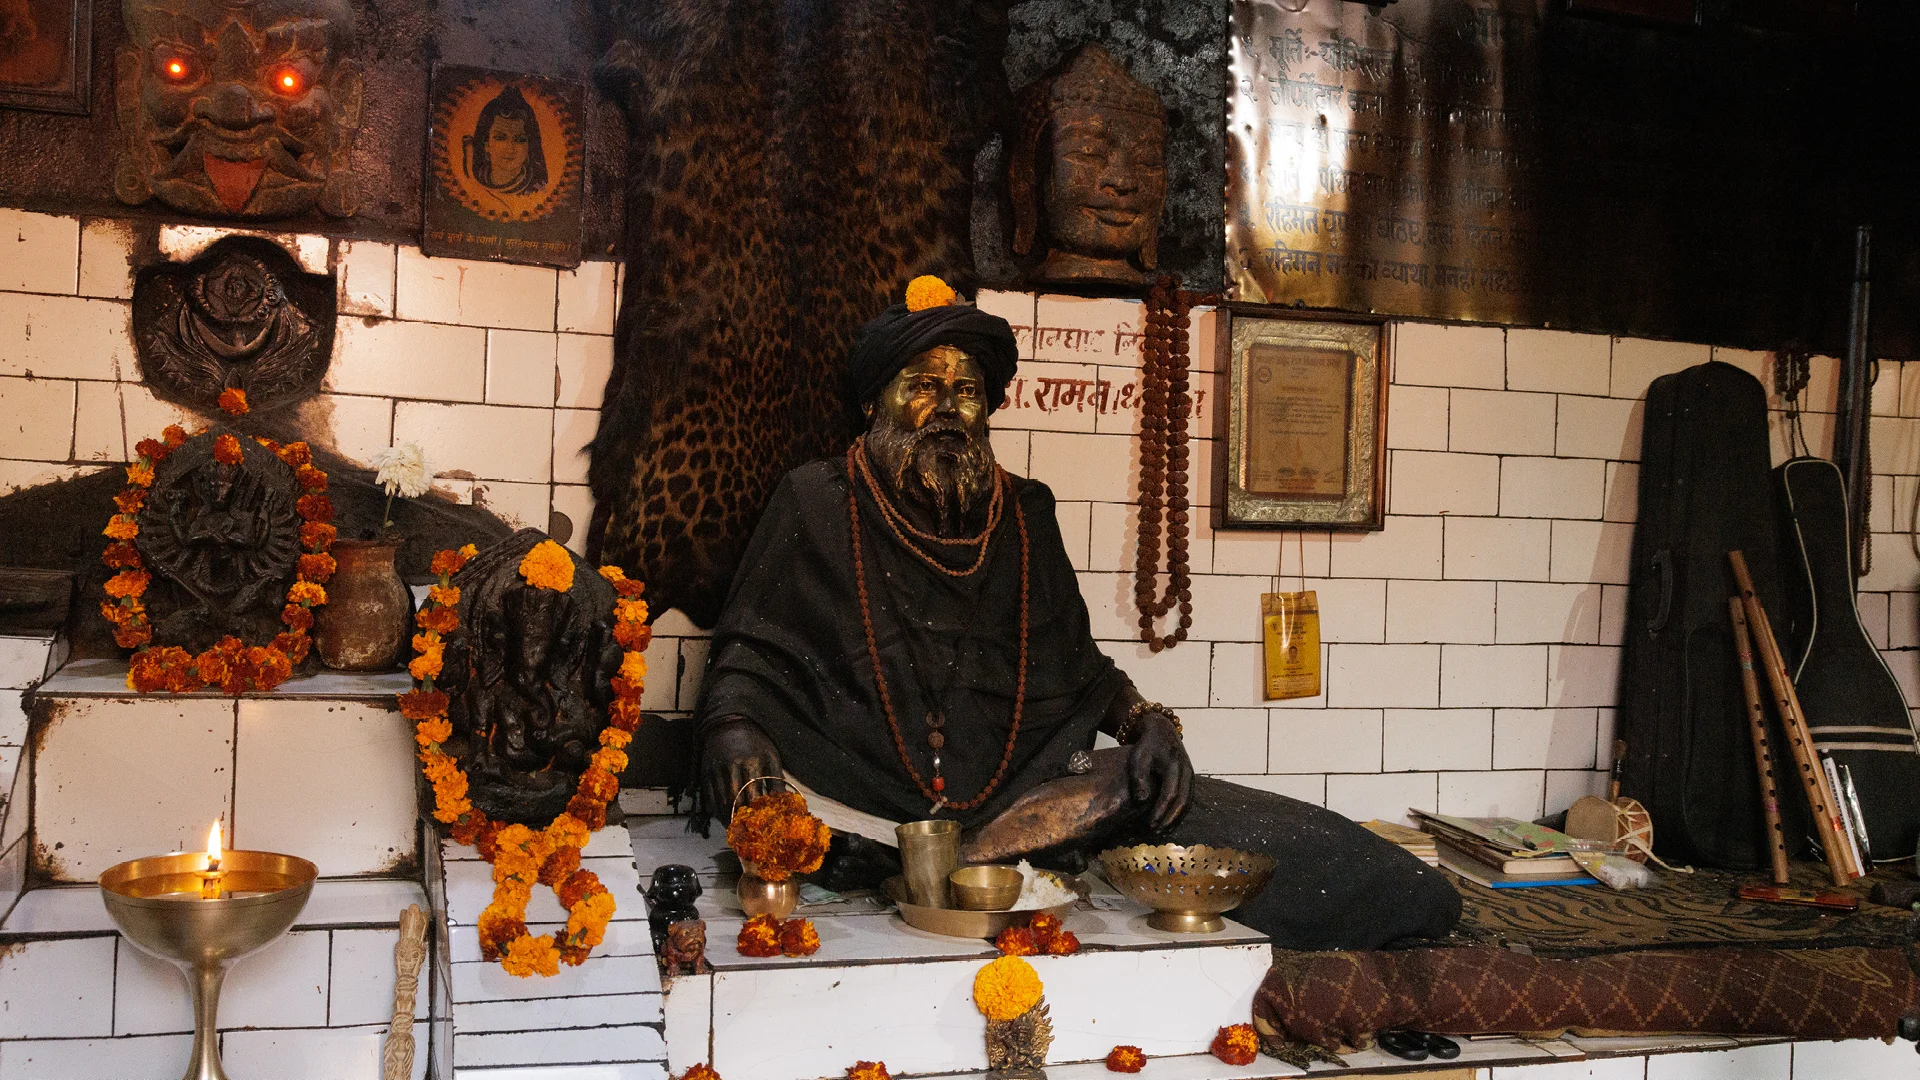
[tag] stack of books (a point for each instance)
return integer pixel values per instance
(1414, 842)
(1502, 852)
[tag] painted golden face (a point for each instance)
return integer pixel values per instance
(928, 436)
(240, 111)
(941, 384)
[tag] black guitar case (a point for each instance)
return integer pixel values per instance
(1853, 704)
(1704, 490)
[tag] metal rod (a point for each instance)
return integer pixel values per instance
(1850, 448)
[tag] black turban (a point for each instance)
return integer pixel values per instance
(890, 342)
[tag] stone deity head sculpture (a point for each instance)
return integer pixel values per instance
(1088, 175)
(529, 672)
(243, 316)
(238, 108)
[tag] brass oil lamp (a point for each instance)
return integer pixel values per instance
(201, 911)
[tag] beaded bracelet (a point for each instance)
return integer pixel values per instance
(1126, 732)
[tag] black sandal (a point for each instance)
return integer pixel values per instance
(1406, 1045)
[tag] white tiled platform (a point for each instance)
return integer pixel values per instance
(120, 775)
(77, 1002)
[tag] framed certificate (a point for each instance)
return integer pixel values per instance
(1301, 441)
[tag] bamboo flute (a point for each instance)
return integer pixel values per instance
(1826, 817)
(1762, 752)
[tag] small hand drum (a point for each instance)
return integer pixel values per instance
(1187, 887)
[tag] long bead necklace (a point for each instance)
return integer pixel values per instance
(1166, 410)
(858, 464)
(936, 737)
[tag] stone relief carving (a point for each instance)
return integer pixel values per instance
(238, 108)
(241, 316)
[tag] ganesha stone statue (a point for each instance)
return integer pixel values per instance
(238, 109)
(529, 673)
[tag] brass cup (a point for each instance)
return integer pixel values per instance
(201, 937)
(929, 852)
(985, 888)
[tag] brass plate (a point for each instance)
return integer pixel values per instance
(953, 922)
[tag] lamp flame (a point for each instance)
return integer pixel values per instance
(214, 851)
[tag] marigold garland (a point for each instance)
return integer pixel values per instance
(1236, 1044)
(1006, 988)
(231, 665)
(869, 1070)
(521, 857)
(1126, 1059)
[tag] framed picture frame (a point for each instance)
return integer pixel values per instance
(1301, 432)
(46, 55)
(506, 161)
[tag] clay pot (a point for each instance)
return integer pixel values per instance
(363, 625)
(758, 896)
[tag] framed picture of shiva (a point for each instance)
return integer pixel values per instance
(505, 159)
(1301, 441)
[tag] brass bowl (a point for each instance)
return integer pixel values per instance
(953, 922)
(985, 887)
(1187, 887)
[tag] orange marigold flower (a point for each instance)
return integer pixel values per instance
(296, 454)
(548, 566)
(587, 921)
(268, 445)
(1062, 943)
(444, 595)
(120, 555)
(467, 829)
(614, 737)
(568, 831)
(777, 834)
(128, 583)
(531, 956)
(1016, 941)
(297, 618)
(1006, 988)
(699, 1072)
(131, 500)
(121, 527)
(759, 936)
(633, 635)
(174, 434)
(427, 640)
(234, 401)
(627, 689)
(440, 620)
(132, 635)
(317, 535)
(306, 592)
(633, 667)
(486, 842)
(121, 613)
(314, 507)
(869, 1070)
(295, 646)
(434, 730)
(624, 713)
(609, 760)
(1236, 1044)
(140, 474)
(163, 668)
(613, 574)
(153, 450)
(268, 668)
(423, 704)
(446, 563)
(630, 611)
(1044, 924)
(928, 291)
(311, 478)
(559, 867)
(579, 886)
(226, 450)
(496, 928)
(798, 938)
(318, 568)
(591, 813)
(1126, 1059)
(427, 664)
(630, 589)
(213, 667)
(598, 784)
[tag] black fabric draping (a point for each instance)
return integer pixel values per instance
(790, 652)
(890, 341)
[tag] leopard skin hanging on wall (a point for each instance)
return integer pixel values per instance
(792, 164)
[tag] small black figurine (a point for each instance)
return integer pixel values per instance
(670, 900)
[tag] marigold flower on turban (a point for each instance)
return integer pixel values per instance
(928, 291)
(548, 566)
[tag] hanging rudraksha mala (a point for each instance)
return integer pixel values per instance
(1166, 409)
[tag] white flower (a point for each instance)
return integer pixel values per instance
(403, 470)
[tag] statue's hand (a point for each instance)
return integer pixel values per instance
(736, 751)
(1159, 771)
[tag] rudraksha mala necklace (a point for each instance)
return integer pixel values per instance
(1166, 415)
(859, 470)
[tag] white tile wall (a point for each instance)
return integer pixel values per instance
(1479, 630)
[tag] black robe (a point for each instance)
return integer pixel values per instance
(791, 653)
